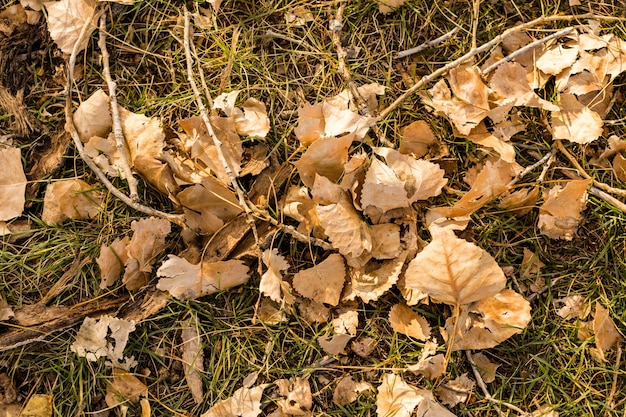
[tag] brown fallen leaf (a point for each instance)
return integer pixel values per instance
(272, 284)
(430, 364)
(71, 199)
(369, 284)
(124, 387)
(325, 157)
(419, 140)
(245, 402)
(520, 202)
(66, 19)
(486, 368)
(348, 390)
(388, 6)
(398, 399)
(605, 332)
(299, 399)
(192, 359)
(575, 121)
(572, 307)
(455, 391)
(147, 242)
(405, 320)
(12, 183)
(335, 344)
(324, 282)
(112, 260)
(186, 281)
(560, 214)
(93, 117)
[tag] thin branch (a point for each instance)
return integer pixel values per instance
(120, 141)
(475, 15)
(427, 45)
(532, 167)
(485, 47)
(483, 388)
(69, 124)
(527, 48)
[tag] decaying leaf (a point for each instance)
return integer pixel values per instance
(455, 391)
(521, 201)
(66, 19)
(348, 390)
(193, 360)
(147, 243)
(312, 311)
(368, 284)
(299, 399)
(186, 281)
(486, 368)
(112, 260)
(335, 345)
(605, 332)
(272, 280)
(346, 319)
(419, 140)
(363, 346)
(124, 387)
(430, 364)
(12, 183)
(572, 307)
(406, 321)
(575, 121)
(245, 402)
(560, 214)
(71, 199)
(453, 271)
(93, 340)
(322, 283)
(325, 157)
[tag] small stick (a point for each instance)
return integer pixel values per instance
(483, 387)
(120, 141)
(69, 124)
(427, 45)
(530, 168)
(527, 48)
(485, 47)
(475, 14)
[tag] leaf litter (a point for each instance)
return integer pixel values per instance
(361, 204)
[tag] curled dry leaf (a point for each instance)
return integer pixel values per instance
(453, 271)
(252, 121)
(488, 185)
(245, 402)
(147, 243)
(482, 136)
(560, 214)
(346, 320)
(324, 282)
(93, 340)
(193, 360)
(271, 280)
(186, 281)
(325, 157)
(112, 260)
(369, 284)
(605, 331)
(299, 399)
(70, 199)
(93, 117)
(66, 19)
(520, 202)
(456, 391)
(12, 183)
(575, 121)
(348, 390)
(486, 368)
(489, 322)
(430, 364)
(406, 321)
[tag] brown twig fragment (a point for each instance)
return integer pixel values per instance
(69, 124)
(120, 141)
(427, 45)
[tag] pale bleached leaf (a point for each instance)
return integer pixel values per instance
(95, 339)
(12, 183)
(66, 19)
(245, 402)
(575, 121)
(272, 279)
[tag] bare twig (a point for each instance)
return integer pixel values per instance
(427, 45)
(545, 160)
(483, 388)
(485, 47)
(120, 142)
(69, 124)
(527, 48)
(475, 15)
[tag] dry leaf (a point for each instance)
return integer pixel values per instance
(369, 285)
(417, 139)
(112, 260)
(324, 282)
(6, 312)
(480, 135)
(401, 182)
(186, 281)
(245, 402)
(396, 398)
(606, 334)
(348, 390)
(66, 19)
(193, 359)
(335, 345)
(486, 368)
(557, 58)
(385, 241)
(253, 121)
(574, 307)
(430, 364)
(364, 346)
(325, 157)
(406, 321)
(520, 202)
(12, 183)
(147, 243)
(388, 6)
(455, 391)
(93, 117)
(299, 399)
(489, 184)
(39, 405)
(560, 214)
(70, 199)
(313, 312)
(298, 16)
(346, 320)
(124, 387)
(271, 280)
(453, 271)
(268, 313)
(93, 340)
(531, 265)
(575, 121)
